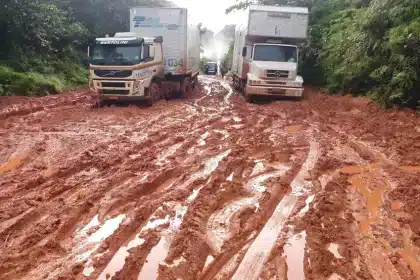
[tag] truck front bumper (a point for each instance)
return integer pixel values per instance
(274, 91)
(128, 90)
(122, 98)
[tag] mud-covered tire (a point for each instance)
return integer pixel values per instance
(242, 86)
(249, 98)
(155, 93)
(102, 103)
(194, 82)
(186, 88)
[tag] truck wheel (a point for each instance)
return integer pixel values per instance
(248, 98)
(102, 103)
(242, 86)
(185, 88)
(195, 82)
(154, 92)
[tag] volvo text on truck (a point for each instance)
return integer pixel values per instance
(266, 55)
(159, 57)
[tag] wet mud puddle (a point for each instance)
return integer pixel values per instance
(367, 180)
(14, 161)
(87, 244)
(371, 182)
(294, 252)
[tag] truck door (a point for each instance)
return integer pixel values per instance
(246, 61)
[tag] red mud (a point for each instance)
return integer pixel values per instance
(324, 188)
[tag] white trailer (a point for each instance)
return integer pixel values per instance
(181, 39)
(265, 59)
(159, 56)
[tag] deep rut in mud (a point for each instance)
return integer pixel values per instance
(209, 187)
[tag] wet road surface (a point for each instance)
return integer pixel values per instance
(209, 187)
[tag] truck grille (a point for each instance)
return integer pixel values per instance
(277, 74)
(113, 73)
(113, 84)
(118, 91)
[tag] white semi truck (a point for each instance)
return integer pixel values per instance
(159, 57)
(266, 56)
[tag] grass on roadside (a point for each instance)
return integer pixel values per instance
(35, 84)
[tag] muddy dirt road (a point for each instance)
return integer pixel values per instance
(209, 187)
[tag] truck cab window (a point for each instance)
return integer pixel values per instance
(146, 54)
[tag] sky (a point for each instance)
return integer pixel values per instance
(210, 12)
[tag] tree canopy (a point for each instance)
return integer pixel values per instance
(47, 40)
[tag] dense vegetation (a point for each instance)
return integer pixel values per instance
(365, 47)
(44, 42)
(226, 63)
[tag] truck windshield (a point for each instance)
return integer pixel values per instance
(275, 53)
(116, 55)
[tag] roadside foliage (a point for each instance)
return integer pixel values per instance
(44, 42)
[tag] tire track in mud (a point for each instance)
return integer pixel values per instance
(69, 173)
(254, 259)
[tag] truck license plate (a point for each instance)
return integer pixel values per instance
(277, 91)
(113, 98)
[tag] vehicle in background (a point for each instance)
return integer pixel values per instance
(210, 68)
(159, 57)
(266, 55)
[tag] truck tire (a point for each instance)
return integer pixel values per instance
(248, 98)
(155, 93)
(195, 82)
(185, 88)
(242, 86)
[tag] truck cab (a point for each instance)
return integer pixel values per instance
(272, 70)
(266, 55)
(126, 68)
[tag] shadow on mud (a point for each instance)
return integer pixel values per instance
(262, 100)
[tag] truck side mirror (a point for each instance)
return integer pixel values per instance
(244, 51)
(88, 51)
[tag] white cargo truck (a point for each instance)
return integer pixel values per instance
(265, 58)
(159, 57)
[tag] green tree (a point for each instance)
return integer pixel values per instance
(44, 42)
(226, 63)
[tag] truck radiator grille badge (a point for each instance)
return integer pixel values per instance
(276, 74)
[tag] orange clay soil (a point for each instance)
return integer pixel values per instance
(209, 187)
